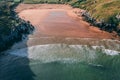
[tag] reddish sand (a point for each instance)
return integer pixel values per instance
(55, 20)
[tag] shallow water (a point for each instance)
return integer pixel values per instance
(61, 62)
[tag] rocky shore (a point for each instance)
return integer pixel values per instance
(12, 28)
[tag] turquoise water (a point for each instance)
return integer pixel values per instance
(59, 62)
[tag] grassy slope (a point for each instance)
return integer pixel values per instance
(101, 9)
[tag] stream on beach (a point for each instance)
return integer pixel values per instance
(67, 58)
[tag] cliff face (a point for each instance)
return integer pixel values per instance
(12, 28)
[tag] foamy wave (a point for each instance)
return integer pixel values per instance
(61, 53)
(53, 52)
(111, 52)
(107, 51)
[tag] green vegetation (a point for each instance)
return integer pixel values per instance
(101, 9)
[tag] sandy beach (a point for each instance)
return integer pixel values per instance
(59, 20)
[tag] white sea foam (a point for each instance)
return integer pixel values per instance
(60, 52)
(111, 52)
(107, 51)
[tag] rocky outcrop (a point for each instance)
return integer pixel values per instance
(12, 28)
